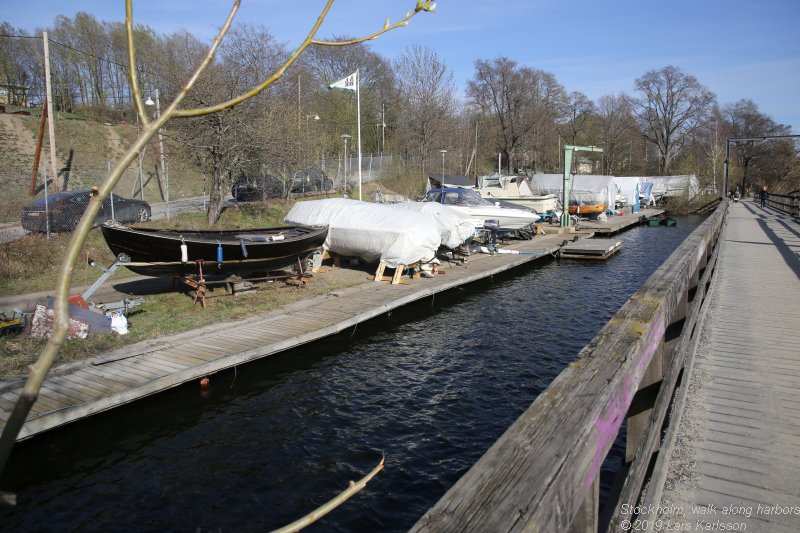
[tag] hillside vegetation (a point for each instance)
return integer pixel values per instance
(85, 150)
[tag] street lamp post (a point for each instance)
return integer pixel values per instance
(345, 137)
(161, 150)
(148, 102)
(443, 152)
(316, 117)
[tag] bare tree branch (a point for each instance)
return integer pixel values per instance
(343, 496)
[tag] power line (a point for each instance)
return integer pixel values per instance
(68, 47)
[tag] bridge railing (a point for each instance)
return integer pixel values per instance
(543, 472)
(788, 203)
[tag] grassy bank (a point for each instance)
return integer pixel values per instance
(167, 313)
(32, 264)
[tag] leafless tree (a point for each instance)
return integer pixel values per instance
(16, 63)
(671, 105)
(579, 110)
(616, 129)
(745, 120)
(713, 144)
(522, 102)
(426, 101)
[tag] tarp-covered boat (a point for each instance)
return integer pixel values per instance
(454, 227)
(517, 190)
(469, 202)
(162, 252)
(373, 232)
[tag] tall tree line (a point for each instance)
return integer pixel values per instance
(668, 124)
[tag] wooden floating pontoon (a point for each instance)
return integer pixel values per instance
(590, 249)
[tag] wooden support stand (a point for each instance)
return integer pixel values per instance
(199, 285)
(396, 279)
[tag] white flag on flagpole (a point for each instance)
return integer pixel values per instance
(349, 83)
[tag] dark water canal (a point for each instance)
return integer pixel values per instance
(431, 387)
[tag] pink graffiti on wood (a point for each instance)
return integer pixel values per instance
(607, 423)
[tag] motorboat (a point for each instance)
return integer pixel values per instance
(470, 202)
(587, 203)
(517, 190)
(163, 252)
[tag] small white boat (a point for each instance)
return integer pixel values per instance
(517, 190)
(468, 201)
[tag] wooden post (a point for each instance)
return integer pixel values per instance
(585, 520)
(38, 153)
(51, 128)
(642, 405)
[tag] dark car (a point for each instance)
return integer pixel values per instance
(257, 188)
(310, 180)
(66, 209)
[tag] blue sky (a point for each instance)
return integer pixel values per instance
(737, 48)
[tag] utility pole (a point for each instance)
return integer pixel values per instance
(161, 154)
(51, 128)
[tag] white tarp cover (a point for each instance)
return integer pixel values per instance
(674, 185)
(598, 186)
(626, 186)
(373, 232)
(454, 227)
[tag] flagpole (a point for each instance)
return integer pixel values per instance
(358, 119)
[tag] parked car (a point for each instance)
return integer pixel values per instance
(257, 188)
(66, 209)
(310, 180)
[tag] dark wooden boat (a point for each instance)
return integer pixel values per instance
(159, 252)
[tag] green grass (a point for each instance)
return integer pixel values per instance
(168, 313)
(33, 263)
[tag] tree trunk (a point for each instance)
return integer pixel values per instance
(216, 198)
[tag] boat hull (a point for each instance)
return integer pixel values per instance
(540, 203)
(507, 218)
(155, 252)
(593, 209)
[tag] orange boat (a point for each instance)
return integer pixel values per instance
(586, 203)
(583, 209)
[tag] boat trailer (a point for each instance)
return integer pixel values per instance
(84, 299)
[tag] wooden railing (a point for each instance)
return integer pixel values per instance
(543, 472)
(788, 203)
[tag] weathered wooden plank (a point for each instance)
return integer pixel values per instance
(123, 378)
(8, 400)
(139, 368)
(96, 387)
(157, 361)
(64, 397)
(175, 357)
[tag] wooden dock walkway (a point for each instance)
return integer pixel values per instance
(78, 390)
(619, 223)
(736, 462)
